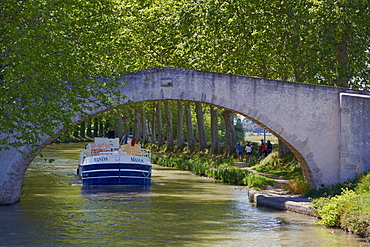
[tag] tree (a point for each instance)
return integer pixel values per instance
(137, 122)
(239, 130)
(169, 124)
(201, 127)
(321, 42)
(180, 125)
(230, 132)
(153, 125)
(215, 143)
(159, 124)
(56, 50)
(143, 126)
(189, 128)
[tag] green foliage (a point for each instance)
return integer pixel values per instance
(53, 52)
(330, 210)
(257, 180)
(51, 56)
(333, 190)
(297, 185)
(222, 169)
(286, 167)
(322, 42)
(349, 210)
(239, 131)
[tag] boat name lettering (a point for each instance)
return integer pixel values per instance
(101, 159)
(133, 159)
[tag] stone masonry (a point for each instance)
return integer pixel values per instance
(327, 128)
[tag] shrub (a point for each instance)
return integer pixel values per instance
(223, 169)
(257, 180)
(297, 185)
(330, 210)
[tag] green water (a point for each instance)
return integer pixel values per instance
(180, 209)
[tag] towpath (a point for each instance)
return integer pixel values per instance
(276, 197)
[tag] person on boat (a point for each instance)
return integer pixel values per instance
(125, 139)
(111, 134)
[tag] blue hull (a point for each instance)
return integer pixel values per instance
(115, 174)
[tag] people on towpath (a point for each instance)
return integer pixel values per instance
(248, 151)
(269, 147)
(263, 149)
(239, 149)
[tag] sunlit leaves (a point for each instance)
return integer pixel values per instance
(51, 55)
(52, 52)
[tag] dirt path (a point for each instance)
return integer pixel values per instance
(276, 197)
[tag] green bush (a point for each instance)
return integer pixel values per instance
(350, 210)
(333, 190)
(330, 211)
(288, 167)
(223, 169)
(257, 181)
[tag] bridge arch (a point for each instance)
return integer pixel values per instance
(321, 125)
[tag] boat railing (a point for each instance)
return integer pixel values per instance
(133, 150)
(146, 153)
(82, 155)
(96, 149)
(99, 149)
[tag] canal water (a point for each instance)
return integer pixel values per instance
(180, 209)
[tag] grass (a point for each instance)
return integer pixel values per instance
(287, 167)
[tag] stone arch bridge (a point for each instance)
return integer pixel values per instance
(327, 128)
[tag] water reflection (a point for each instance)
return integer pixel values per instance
(179, 209)
(115, 191)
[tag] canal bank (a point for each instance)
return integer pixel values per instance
(276, 197)
(290, 203)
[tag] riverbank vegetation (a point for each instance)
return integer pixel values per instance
(287, 167)
(212, 166)
(344, 205)
(349, 210)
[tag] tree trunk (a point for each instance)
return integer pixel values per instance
(283, 149)
(169, 125)
(96, 127)
(180, 125)
(83, 129)
(89, 128)
(341, 52)
(201, 127)
(160, 124)
(137, 126)
(101, 129)
(215, 142)
(154, 120)
(230, 132)
(144, 132)
(75, 132)
(119, 129)
(189, 128)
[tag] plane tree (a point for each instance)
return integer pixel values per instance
(51, 56)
